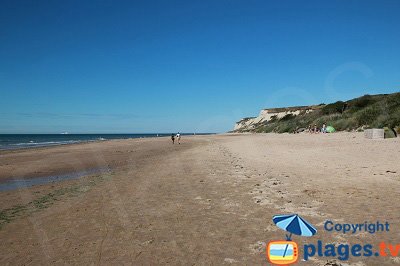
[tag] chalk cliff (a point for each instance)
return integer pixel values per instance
(267, 115)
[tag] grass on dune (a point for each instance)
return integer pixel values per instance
(368, 111)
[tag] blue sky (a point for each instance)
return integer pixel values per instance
(189, 66)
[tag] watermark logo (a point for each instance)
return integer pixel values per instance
(287, 252)
(282, 252)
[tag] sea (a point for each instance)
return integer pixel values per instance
(24, 141)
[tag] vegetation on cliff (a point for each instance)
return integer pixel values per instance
(368, 111)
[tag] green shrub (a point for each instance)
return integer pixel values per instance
(367, 115)
(273, 119)
(389, 133)
(288, 126)
(394, 99)
(337, 107)
(394, 119)
(344, 124)
(269, 128)
(362, 101)
(260, 129)
(380, 121)
(287, 117)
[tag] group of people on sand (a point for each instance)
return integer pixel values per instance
(315, 129)
(312, 129)
(177, 137)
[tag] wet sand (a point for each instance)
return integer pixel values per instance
(207, 201)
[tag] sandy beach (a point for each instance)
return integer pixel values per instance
(207, 201)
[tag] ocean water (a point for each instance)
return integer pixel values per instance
(23, 141)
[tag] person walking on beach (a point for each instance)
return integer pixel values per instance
(178, 137)
(173, 138)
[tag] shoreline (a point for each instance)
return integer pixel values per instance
(62, 144)
(100, 139)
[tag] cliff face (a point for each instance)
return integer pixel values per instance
(267, 115)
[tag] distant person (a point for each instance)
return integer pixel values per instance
(173, 138)
(315, 128)
(323, 129)
(178, 137)
(310, 129)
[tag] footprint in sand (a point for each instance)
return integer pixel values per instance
(332, 263)
(258, 247)
(271, 228)
(230, 261)
(260, 200)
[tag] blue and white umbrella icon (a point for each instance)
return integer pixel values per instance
(294, 224)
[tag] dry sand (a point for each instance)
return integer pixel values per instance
(208, 201)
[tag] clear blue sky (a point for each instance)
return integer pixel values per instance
(167, 66)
